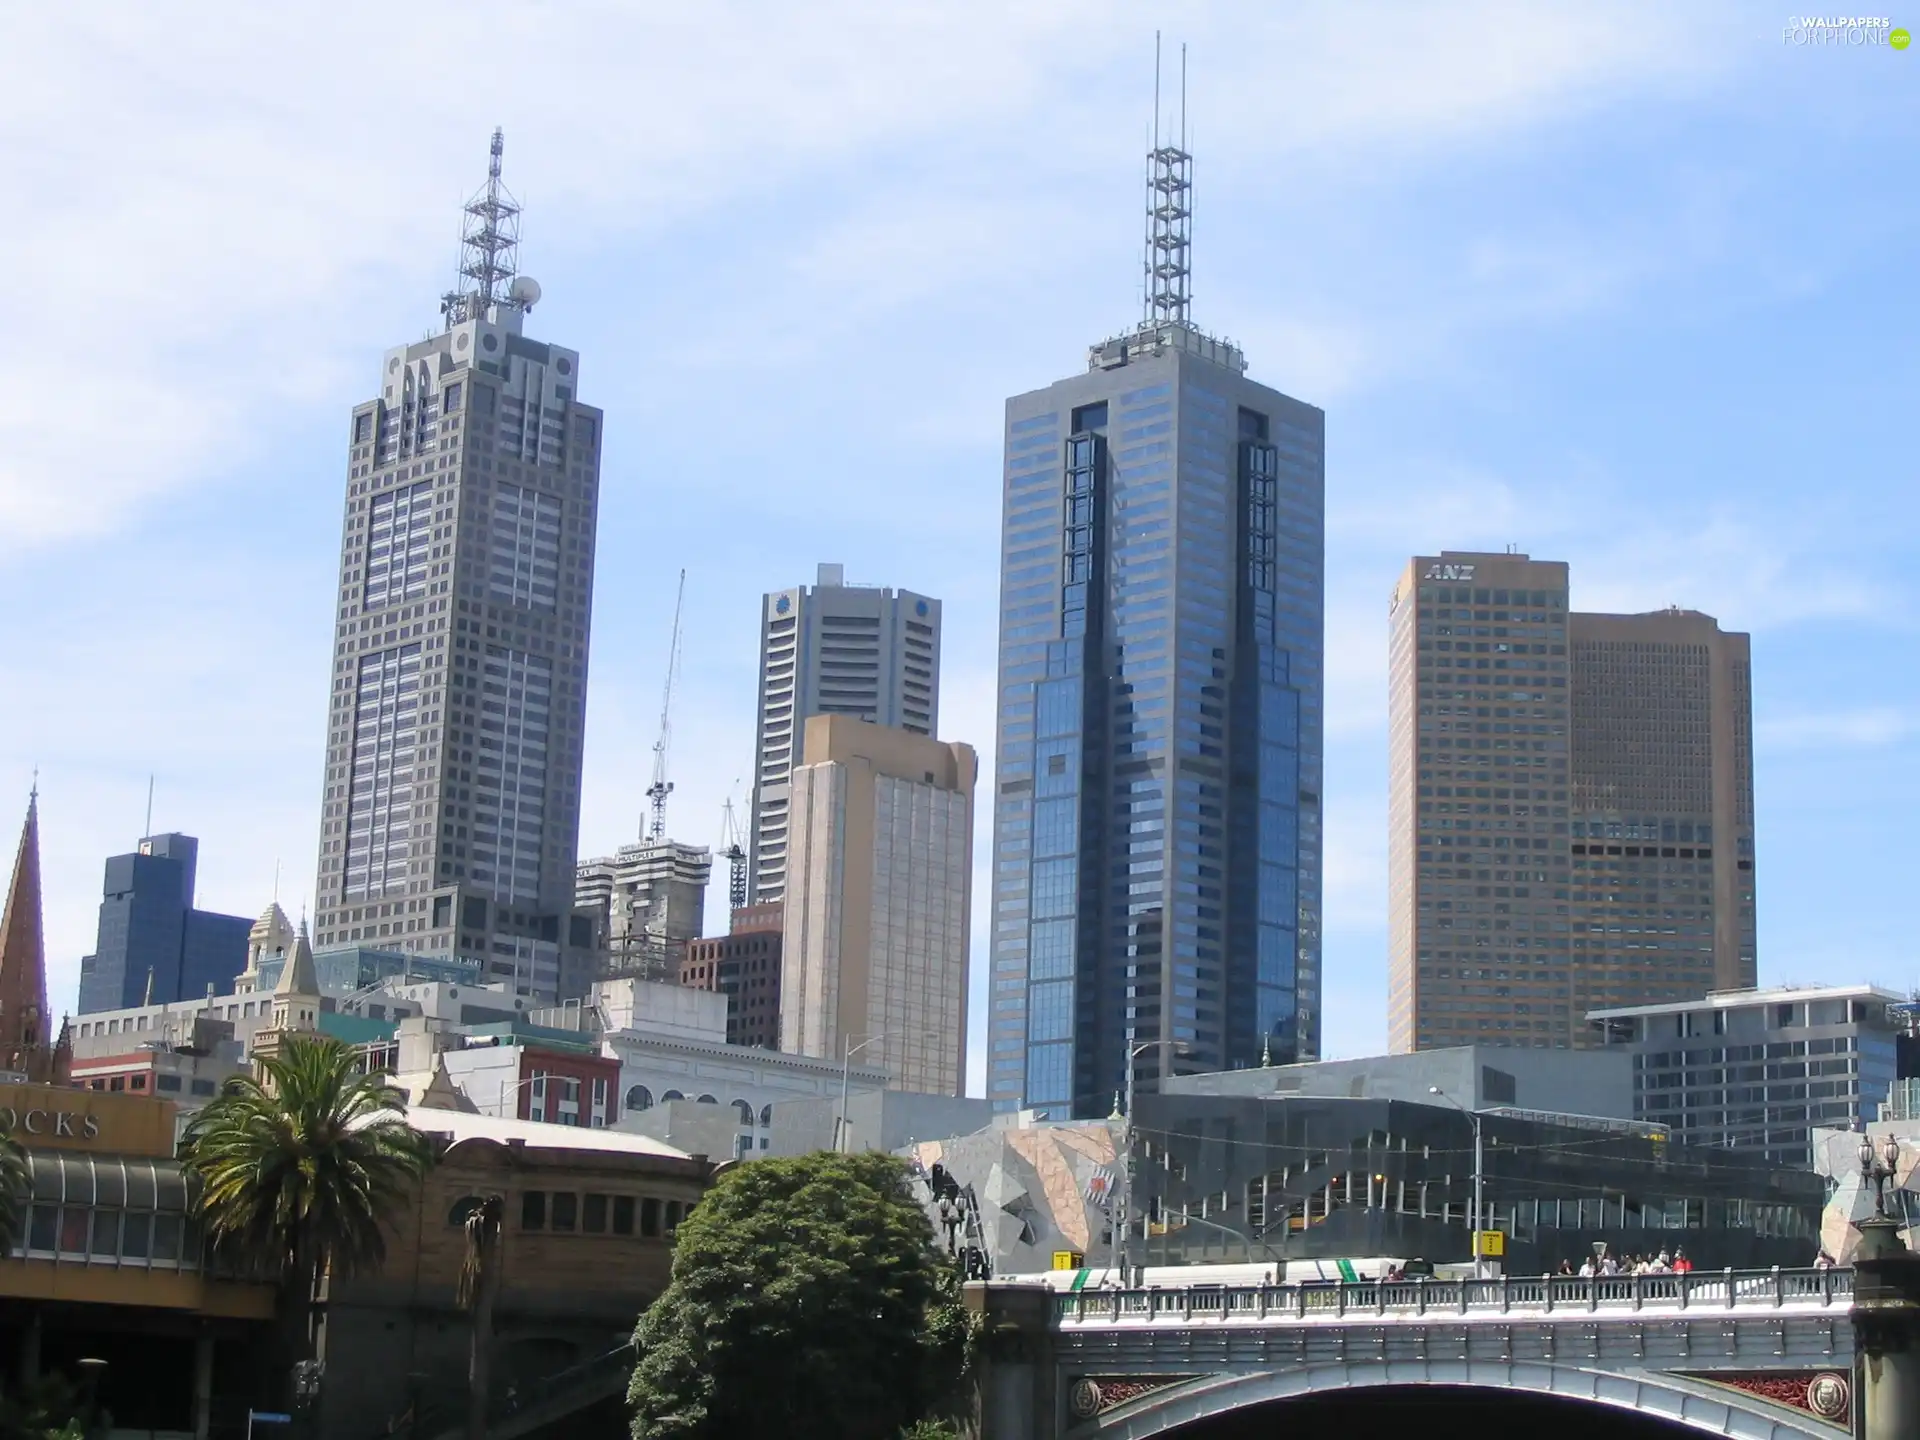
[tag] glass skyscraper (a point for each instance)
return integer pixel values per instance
(1157, 825)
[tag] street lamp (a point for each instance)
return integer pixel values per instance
(848, 1051)
(1879, 1171)
(507, 1092)
(1479, 1174)
(1122, 1230)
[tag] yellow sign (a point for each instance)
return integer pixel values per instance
(1493, 1244)
(1068, 1259)
(53, 1117)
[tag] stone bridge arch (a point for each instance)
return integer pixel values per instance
(1696, 1404)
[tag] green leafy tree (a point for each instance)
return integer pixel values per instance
(298, 1168)
(807, 1302)
(14, 1182)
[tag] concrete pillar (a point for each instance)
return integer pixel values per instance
(202, 1386)
(1016, 1394)
(1886, 1330)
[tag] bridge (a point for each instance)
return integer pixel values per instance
(1766, 1355)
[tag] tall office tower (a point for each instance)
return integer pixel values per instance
(877, 916)
(1479, 937)
(648, 901)
(1662, 762)
(153, 947)
(833, 649)
(1157, 828)
(452, 790)
(1570, 810)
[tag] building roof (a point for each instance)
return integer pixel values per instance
(296, 976)
(1736, 999)
(537, 1134)
(23, 955)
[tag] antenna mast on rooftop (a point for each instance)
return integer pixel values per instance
(662, 787)
(1169, 288)
(489, 248)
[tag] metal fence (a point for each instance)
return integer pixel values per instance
(1505, 1295)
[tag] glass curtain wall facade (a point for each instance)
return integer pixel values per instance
(1157, 805)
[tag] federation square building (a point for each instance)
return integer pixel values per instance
(1157, 823)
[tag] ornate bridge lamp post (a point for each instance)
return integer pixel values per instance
(1886, 1310)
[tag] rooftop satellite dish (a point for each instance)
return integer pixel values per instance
(524, 292)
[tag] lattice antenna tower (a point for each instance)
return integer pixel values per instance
(1168, 263)
(489, 248)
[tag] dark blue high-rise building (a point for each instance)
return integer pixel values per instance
(153, 946)
(1157, 827)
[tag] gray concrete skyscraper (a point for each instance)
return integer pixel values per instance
(832, 649)
(450, 811)
(1157, 826)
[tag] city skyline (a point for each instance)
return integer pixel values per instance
(1547, 374)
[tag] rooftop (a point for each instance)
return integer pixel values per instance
(1736, 999)
(537, 1134)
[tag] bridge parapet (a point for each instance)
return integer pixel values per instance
(1505, 1298)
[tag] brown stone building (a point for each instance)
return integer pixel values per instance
(1570, 806)
(585, 1247)
(743, 965)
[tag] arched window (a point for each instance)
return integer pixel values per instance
(639, 1098)
(671, 1095)
(708, 1100)
(744, 1111)
(766, 1115)
(462, 1208)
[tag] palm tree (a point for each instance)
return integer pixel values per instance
(479, 1285)
(15, 1182)
(298, 1168)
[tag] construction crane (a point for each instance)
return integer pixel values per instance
(662, 787)
(735, 855)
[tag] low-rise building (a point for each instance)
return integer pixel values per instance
(1754, 1071)
(1478, 1077)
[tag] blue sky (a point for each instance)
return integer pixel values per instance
(1628, 286)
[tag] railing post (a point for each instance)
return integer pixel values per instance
(1729, 1273)
(1261, 1308)
(1506, 1295)
(1639, 1291)
(1463, 1284)
(1779, 1288)
(1546, 1293)
(1420, 1289)
(1593, 1292)
(1379, 1297)
(1340, 1303)
(1683, 1289)
(1300, 1301)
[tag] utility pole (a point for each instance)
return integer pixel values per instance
(662, 787)
(1124, 1223)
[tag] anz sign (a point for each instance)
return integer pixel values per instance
(1448, 572)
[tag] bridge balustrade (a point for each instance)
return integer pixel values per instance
(1504, 1295)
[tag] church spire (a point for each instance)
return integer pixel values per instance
(23, 955)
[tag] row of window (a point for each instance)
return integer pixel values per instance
(122, 1237)
(561, 1212)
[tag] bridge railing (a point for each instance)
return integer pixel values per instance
(1504, 1295)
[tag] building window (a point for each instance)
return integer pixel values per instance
(650, 1218)
(639, 1098)
(623, 1215)
(566, 1211)
(533, 1210)
(593, 1215)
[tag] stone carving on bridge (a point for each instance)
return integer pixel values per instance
(1092, 1395)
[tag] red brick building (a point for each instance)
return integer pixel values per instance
(743, 965)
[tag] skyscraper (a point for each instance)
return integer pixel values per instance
(1570, 809)
(452, 789)
(877, 925)
(833, 649)
(153, 946)
(648, 901)
(1157, 824)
